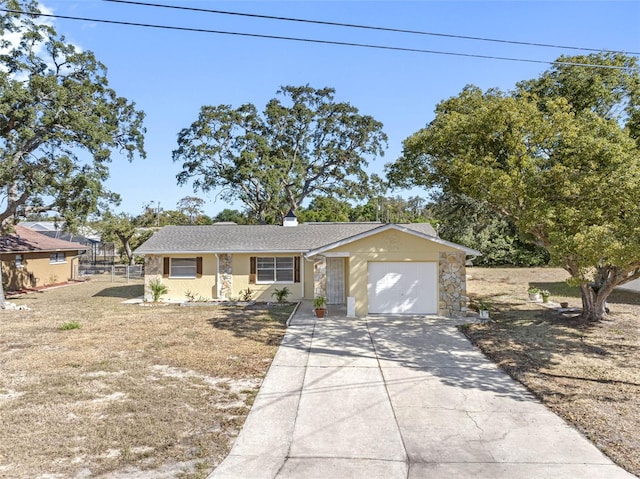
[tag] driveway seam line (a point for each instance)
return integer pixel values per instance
(386, 389)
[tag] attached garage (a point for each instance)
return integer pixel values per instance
(402, 287)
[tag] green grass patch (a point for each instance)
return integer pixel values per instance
(69, 325)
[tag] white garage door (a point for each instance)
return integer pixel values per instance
(403, 288)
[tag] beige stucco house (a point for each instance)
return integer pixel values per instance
(373, 268)
(31, 260)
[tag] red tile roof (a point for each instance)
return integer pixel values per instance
(24, 240)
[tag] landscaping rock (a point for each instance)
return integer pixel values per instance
(15, 307)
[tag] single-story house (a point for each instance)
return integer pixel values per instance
(30, 259)
(370, 267)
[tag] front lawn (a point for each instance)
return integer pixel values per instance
(589, 374)
(90, 386)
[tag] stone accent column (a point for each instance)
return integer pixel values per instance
(320, 278)
(453, 283)
(152, 271)
(226, 276)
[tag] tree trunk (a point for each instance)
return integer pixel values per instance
(594, 301)
(127, 250)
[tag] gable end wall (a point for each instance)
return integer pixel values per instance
(392, 245)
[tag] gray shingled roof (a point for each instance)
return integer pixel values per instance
(225, 238)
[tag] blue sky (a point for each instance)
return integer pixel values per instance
(171, 74)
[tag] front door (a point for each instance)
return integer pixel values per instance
(335, 280)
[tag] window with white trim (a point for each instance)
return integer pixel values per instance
(57, 258)
(183, 268)
(274, 270)
(19, 261)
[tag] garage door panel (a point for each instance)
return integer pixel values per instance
(402, 306)
(402, 288)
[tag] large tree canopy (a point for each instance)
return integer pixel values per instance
(59, 122)
(558, 156)
(274, 160)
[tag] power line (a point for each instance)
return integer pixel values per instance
(316, 41)
(366, 27)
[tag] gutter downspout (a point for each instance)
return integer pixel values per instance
(217, 275)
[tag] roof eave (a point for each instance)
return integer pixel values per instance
(381, 229)
(263, 251)
(46, 250)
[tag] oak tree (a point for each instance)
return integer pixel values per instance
(304, 145)
(558, 156)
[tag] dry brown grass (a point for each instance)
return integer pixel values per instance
(589, 374)
(134, 392)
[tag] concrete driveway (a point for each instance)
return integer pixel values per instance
(399, 397)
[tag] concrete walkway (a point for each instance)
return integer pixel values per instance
(399, 398)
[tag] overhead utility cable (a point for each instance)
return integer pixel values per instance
(311, 40)
(365, 27)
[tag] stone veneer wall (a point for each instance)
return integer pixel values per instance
(152, 271)
(226, 276)
(320, 278)
(453, 283)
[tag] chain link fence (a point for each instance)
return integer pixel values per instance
(118, 272)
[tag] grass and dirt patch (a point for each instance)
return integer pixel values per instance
(587, 373)
(91, 387)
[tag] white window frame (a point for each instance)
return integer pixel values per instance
(19, 261)
(184, 271)
(55, 258)
(275, 268)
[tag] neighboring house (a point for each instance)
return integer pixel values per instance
(96, 252)
(30, 259)
(372, 267)
(41, 226)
